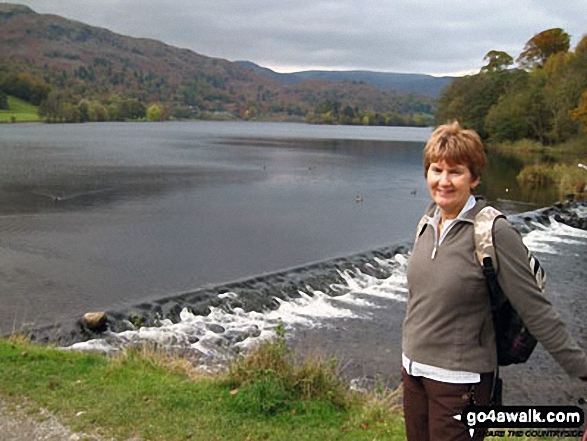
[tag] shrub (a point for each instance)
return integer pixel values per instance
(539, 175)
(268, 377)
(568, 177)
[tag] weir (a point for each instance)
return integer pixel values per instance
(351, 307)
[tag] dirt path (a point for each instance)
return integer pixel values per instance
(18, 425)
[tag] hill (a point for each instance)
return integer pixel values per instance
(18, 110)
(75, 61)
(414, 83)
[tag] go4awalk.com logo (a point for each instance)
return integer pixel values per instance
(530, 421)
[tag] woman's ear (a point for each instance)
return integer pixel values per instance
(475, 182)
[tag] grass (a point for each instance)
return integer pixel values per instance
(554, 165)
(20, 111)
(152, 395)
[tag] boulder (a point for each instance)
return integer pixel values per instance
(95, 321)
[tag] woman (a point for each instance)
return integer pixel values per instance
(448, 340)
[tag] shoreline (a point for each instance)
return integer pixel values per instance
(368, 350)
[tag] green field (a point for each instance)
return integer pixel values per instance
(20, 111)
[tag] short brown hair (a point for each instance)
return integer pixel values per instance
(451, 143)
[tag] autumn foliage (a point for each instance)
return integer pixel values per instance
(77, 72)
(544, 98)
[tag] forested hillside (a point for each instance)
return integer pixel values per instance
(535, 113)
(76, 72)
(544, 98)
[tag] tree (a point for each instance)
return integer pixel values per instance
(84, 109)
(580, 113)
(507, 120)
(581, 47)
(154, 113)
(538, 116)
(497, 60)
(25, 87)
(561, 93)
(70, 113)
(98, 112)
(131, 109)
(50, 108)
(543, 45)
(468, 99)
(3, 101)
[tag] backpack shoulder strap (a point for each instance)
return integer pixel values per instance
(483, 227)
(421, 226)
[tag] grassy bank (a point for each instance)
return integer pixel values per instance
(19, 111)
(151, 395)
(546, 166)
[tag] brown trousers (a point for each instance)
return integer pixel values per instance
(429, 407)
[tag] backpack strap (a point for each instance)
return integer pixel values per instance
(483, 227)
(421, 226)
(485, 251)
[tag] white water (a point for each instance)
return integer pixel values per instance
(545, 239)
(220, 332)
(218, 335)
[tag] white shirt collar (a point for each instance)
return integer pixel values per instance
(468, 205)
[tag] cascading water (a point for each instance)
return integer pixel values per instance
(362, 299)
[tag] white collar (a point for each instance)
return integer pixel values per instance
(468, 205)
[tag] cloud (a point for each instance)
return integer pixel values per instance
(423, 36)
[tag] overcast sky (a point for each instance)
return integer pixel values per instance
(411, 36)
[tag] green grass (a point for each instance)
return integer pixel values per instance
(20, 111)
(156, 397)
(152, 395)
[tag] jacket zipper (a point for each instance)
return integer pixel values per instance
(437, 238)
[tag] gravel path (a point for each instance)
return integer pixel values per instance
(18, 425)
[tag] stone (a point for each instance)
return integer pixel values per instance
(217, 329)
(95, 321)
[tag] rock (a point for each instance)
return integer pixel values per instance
(95, 321)
(217, 329)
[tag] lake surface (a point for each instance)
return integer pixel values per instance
(97, 216)
(107, 216)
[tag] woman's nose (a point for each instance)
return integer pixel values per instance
(444, 178)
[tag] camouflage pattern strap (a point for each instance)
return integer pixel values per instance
(537, 270)
(483, 226)
(484, 244)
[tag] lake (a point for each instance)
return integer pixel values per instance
(124, 215)
(96, 216)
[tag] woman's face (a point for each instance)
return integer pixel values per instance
(450, 186)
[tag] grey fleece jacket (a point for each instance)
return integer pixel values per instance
(448, 322)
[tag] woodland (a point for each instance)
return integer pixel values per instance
(543, 98)
(75, 73)
(534, 112)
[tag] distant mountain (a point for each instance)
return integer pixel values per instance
(414, 83)
(86, 62)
